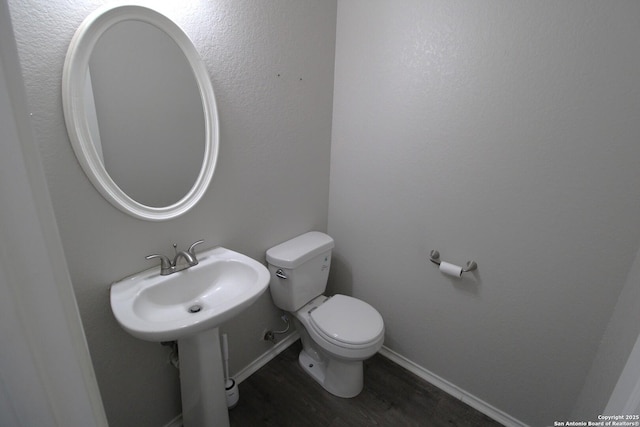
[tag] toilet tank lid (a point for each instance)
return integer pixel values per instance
(292, 253)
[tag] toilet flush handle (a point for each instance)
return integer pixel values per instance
(281, 274)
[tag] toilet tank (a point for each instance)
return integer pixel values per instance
(304, 261)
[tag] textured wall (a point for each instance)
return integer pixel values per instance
(496, 131)
(271, 65)
(505, 132)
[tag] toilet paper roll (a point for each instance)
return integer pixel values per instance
(451, 269)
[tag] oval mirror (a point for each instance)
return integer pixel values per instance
(140, 111)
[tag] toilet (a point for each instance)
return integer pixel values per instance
(338, 332)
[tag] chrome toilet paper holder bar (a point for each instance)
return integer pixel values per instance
(434, 257)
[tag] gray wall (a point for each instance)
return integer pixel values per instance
(502, 132)
(505, 132)
(271, 64)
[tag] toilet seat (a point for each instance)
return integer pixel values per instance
(347, 322)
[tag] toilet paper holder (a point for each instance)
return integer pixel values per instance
(434, 257)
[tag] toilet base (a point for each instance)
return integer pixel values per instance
(339, 377)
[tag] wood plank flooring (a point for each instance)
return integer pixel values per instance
(281, 394)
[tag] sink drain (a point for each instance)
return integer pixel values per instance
(195, 308)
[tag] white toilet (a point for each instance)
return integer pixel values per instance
(337, 332)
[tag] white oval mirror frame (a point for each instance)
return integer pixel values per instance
(73, 99)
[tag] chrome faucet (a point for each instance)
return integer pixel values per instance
(169, 267)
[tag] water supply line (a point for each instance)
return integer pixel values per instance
(271, 335)
(174, 359)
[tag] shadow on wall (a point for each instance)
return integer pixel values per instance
(340, 277)
(469, 283)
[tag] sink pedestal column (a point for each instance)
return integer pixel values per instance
(204, 400)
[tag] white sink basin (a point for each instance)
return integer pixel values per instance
(166, 308)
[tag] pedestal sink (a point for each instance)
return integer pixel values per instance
(188, 306)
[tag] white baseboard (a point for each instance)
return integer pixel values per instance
(449, 388)
(266, 357)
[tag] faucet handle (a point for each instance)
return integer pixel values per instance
(193, 245)
(165, 262)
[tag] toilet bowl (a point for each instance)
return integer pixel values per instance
(335, 341)
(339, 332)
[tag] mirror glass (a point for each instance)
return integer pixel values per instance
(149, 118)
(140, 111)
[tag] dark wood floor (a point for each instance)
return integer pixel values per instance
(281, 394)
